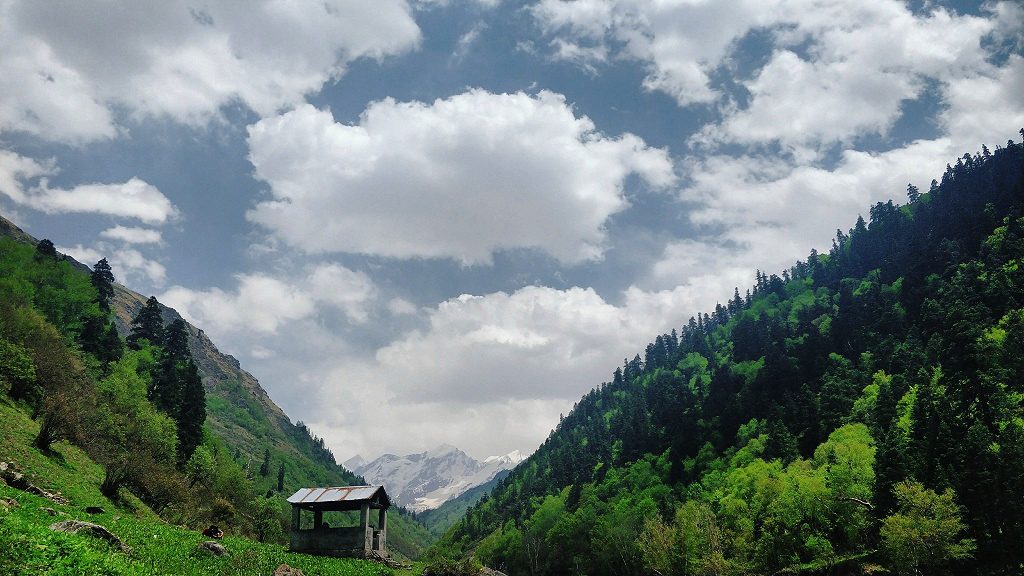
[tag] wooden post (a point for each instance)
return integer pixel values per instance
(382, 525)
(364, 521)
(318, 519)
(295, 517)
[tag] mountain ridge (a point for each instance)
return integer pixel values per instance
(425, 480)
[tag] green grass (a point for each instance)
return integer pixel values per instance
(29, 547)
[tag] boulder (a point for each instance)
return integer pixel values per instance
(94, 510)
(286, 570)
(10, 475)
(485, 571)
(9, 503)
(90, 529)
(211, 547)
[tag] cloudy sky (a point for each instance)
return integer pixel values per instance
(427, 221)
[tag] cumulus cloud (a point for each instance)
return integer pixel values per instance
(348, 290)
(458, 178)
(128, 265)
(132, 199)
(261, 303)
(680, 43)
(839, 68)
(853, 79)
(130, 235)
(67, 66)
(487, 372)
(982, 108)
(534, 344)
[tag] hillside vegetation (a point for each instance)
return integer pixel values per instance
(134, 412)
(29, 548)
(863, 410)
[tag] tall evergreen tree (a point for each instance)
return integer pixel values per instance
(265, 466)
(175, 340)
(99, 336)
(280, 476)
(45, 249)
(103, 279)
(148, 325)
(191, 413)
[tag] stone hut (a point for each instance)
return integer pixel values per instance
(360, 541)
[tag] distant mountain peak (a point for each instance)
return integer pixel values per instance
(425, 480)
(514, 457)
(354, 462)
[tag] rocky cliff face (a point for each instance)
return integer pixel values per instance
(428, 479)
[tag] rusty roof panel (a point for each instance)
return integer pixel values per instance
(334, 494)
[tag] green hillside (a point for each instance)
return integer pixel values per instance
(862, 412)
(30, 548)
(62, 360)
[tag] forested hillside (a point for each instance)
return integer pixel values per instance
(168, 417)
(864, 408)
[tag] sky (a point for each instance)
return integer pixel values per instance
(444, 221)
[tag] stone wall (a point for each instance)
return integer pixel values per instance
(350, 541)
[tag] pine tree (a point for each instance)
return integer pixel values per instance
(45, 249)
(265, 466)
(175, 340)
(103, 279)
(147, 325)
(280, 477)
(191, 413)
(99, 336)
(913, 194)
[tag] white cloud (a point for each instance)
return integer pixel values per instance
(839, 68)
(83, 254)
(487, 373)
(348, 290)
(680, 43)
(66, 66)
(984, 107)
(401, 307)
(128, 265)
(132, 199)
(855, 77)
(130, 235)
(262, 304)
(536, 343)
(459, 178)
(132, 262)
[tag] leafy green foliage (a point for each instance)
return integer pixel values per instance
(925, 533)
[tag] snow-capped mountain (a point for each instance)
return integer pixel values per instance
(428, 479)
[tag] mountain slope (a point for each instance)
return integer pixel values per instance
(246, 419)
(866, 402)
(426, 480)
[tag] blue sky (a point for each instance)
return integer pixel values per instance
(427, 221)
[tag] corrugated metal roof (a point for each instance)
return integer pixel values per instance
(335, 494)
